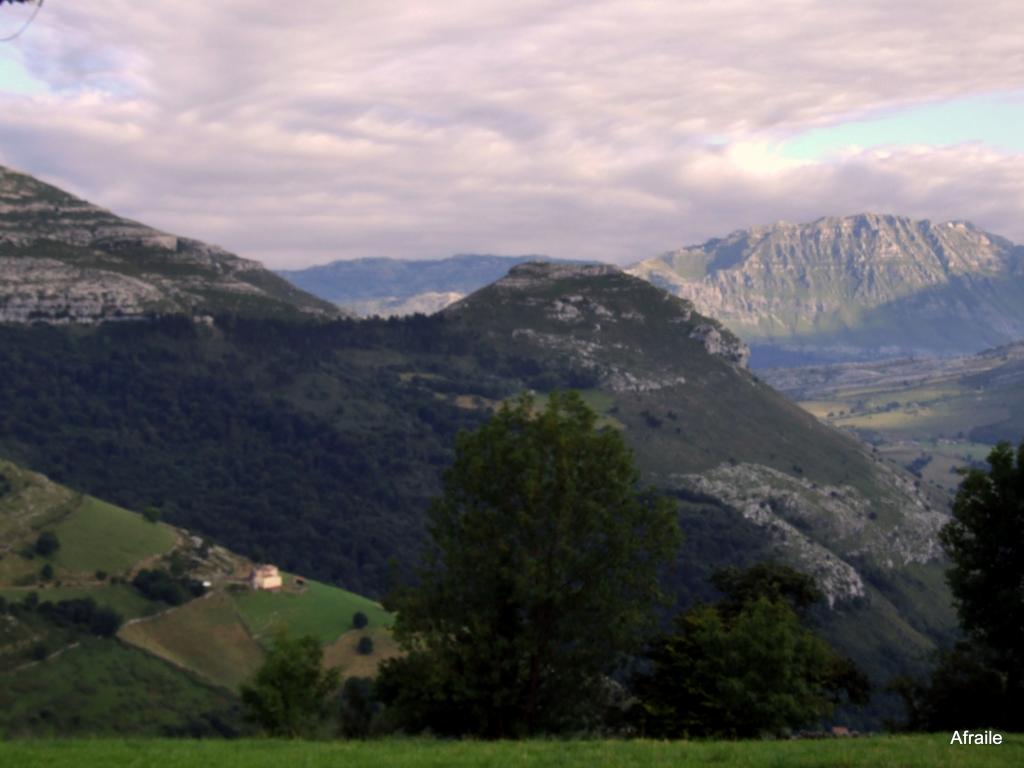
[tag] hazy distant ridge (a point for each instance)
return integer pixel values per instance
(381, 286)
(855, 286)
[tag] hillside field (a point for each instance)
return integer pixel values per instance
(928, 751)
(170, 670)
(320, 610)
(203, 636)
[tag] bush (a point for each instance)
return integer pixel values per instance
(365, 645)
(46, 572)
(161, 585)
(83, 613)
(359, 620)
(47, 544)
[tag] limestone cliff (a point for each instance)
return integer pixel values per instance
(855, 285)
(63, 260)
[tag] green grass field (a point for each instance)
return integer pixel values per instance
(102, 687)
(204, 636)
(932, 751)
(101, 536)
(122, 598)
(342, 653)
(322, 611)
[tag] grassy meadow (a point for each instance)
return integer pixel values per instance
(319, 610)
(203, 636)
(929, 751)
(101, 536)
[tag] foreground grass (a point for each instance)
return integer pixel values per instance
(877, 752)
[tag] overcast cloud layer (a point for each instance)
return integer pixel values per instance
(298, 133)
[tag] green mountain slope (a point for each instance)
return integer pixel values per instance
(854, 287)
(65, 260)
(319, 445)
(170, 669)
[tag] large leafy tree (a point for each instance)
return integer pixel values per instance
(985, 541)
(289, 695)
(980, 682)
(542, 574)
(746, 666)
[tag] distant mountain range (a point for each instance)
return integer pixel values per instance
(387, 287)
(844, 288)
(853, 287)
(63, 259)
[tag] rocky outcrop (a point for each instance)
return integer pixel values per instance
(723, 345)
(868, 282)
(827, 529)
(63, 260)
(598, 316)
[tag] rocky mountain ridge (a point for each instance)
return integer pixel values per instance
(855, 286)
(644, 346)
(64, 260)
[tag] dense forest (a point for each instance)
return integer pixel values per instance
(314, 445)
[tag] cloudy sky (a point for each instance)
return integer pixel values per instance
(298, 133)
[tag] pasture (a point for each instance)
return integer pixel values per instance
(928, 751)
(319, 610)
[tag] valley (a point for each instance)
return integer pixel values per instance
(932, 415)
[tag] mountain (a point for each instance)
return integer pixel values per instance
(398, 287)
(853, 287)
(172, 668)
(318, 445)
(65, 260)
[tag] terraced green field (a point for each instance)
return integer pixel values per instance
(101, 536)
(320, 610)
(204, 636)
(103, 687)
(342, 653)
(929, 751)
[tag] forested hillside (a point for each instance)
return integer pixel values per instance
(319, 444)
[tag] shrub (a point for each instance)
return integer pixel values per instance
(359, 620)
(47, 544)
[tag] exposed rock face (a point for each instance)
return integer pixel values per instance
(825, 529)
(65, 260)
(857, 284)
(426, 303)
(728, 346)
(595, 314)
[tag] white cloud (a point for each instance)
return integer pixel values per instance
(297, 133)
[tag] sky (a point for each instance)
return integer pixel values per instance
(301, 133)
